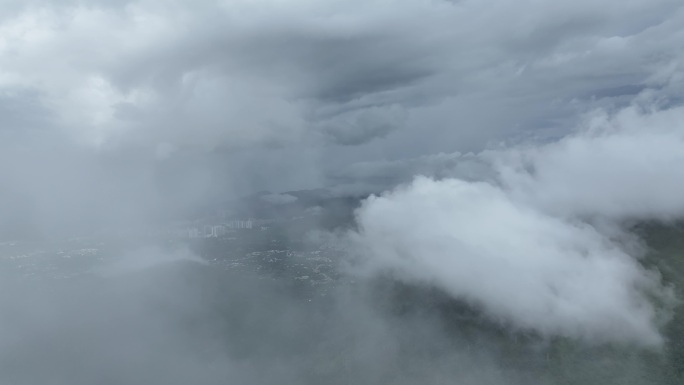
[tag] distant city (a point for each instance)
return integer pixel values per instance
(215, 231)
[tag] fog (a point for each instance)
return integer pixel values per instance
(367, 192)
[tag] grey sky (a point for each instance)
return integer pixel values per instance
(241, 96)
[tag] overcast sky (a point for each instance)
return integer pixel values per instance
(509, 144)
(133, 103)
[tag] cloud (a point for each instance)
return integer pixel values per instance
(541, 247)
(233, 74)
(174, 105)
(544, 130)
(623, 167)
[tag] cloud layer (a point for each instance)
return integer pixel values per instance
(123, 112)
(231, 74)
(541, 247)
(246, 96)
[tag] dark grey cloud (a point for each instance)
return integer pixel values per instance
(267, 96)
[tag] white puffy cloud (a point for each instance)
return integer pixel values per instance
(627, 166)
(540, 247)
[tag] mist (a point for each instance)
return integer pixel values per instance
(338, 192)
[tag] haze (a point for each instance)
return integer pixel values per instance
(337, 192)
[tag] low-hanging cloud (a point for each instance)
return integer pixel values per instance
(625, 166)
(540, 248)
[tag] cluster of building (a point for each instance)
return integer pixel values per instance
(219, 230)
